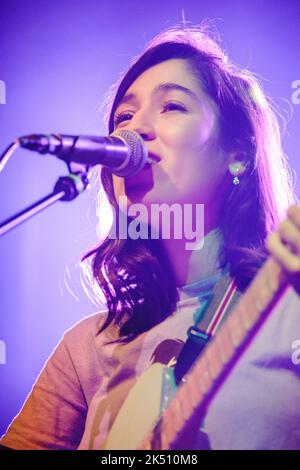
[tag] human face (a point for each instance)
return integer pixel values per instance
(182, 129)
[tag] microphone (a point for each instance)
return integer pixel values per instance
(123, 151)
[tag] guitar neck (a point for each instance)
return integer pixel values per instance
(210, 371)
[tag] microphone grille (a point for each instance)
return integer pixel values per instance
(138, 152)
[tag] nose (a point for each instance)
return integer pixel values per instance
(143, 126)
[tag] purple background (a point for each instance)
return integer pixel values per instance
(57, 59)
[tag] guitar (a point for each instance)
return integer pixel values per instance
(188, 407)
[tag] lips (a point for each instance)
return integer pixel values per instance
(143, 178)
(153, 158)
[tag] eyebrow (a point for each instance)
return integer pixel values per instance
(162, 87)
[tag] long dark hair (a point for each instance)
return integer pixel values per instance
(135, 276)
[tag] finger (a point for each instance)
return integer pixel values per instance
(282, 254)
(293, 214)
(290, 234)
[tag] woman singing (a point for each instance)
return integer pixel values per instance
(216, 144)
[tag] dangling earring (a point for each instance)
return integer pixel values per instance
(236, 180)
(237, 169)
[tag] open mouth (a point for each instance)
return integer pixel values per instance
(153, 159)
(143, 180)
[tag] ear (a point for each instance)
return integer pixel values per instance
(237, 163)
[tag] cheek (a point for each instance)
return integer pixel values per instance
(195, 133)
(177, 135)
(195, 164)
(187, 149)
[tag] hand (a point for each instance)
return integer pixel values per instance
(284, 246)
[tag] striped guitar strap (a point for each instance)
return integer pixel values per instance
(214, 309)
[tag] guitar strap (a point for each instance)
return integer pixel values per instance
(213, 310)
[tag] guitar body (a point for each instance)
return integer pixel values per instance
(139, 412)
(142, 409)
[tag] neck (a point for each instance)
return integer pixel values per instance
(193, 265)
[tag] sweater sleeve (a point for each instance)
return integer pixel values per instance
(54, 413)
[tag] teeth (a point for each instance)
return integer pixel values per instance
(152, 160)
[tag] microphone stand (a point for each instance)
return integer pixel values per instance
(66, 188)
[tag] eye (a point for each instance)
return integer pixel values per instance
(173, 107)
(124, 116)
